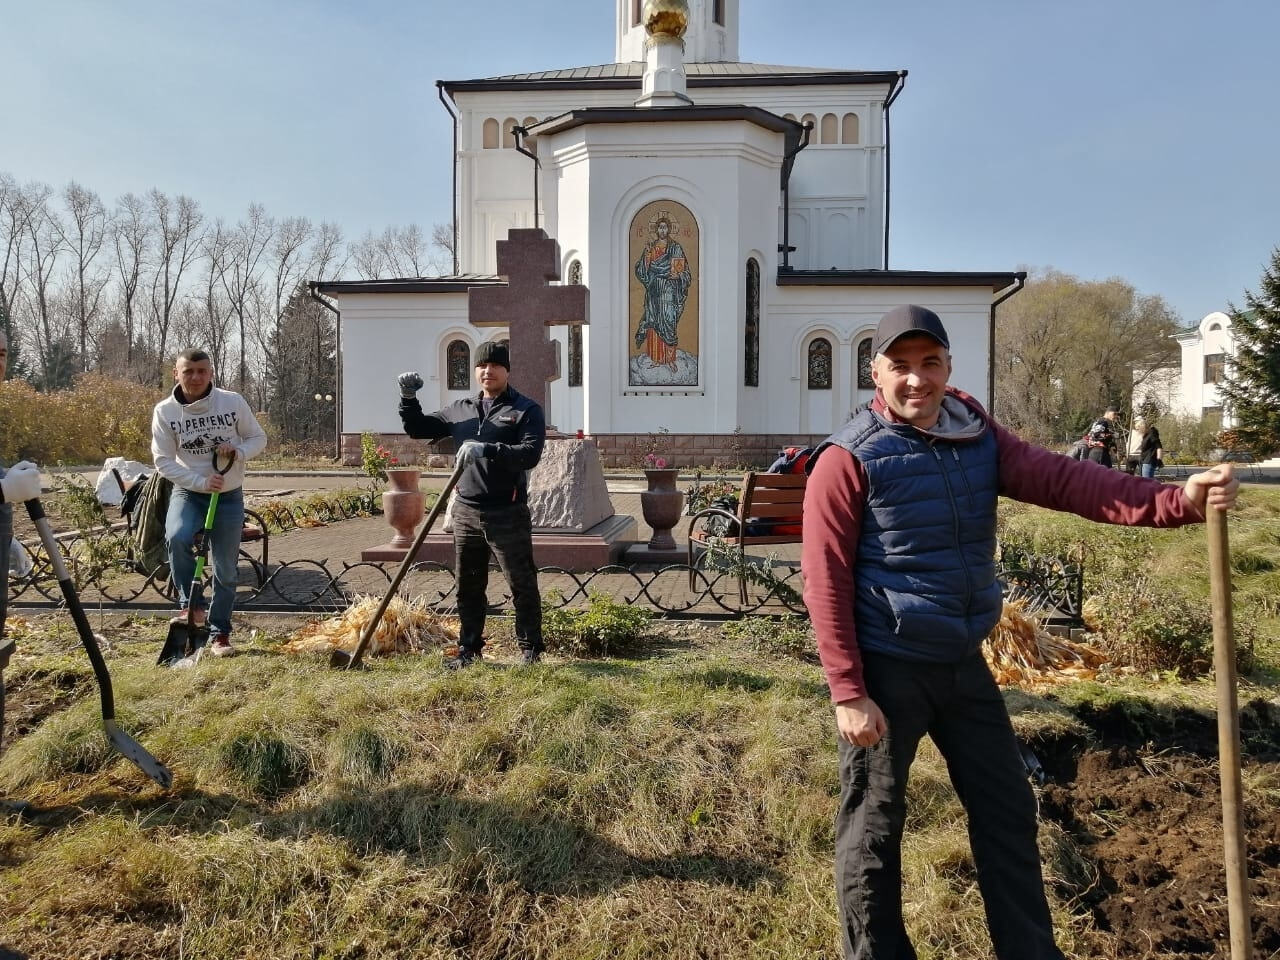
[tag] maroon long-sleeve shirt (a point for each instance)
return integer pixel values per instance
(836, 494)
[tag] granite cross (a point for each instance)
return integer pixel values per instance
(527, 305)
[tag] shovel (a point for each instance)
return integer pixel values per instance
(129, 747)
(185, 639)
(1224, 668)
(340, 659)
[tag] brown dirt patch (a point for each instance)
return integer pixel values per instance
(1148, 819)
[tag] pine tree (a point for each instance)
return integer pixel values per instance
(1251, 387)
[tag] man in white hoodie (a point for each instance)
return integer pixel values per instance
(188, 427)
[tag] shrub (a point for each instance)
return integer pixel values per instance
(100, 417)
(266, 764)
(787, 636)
(605, 627)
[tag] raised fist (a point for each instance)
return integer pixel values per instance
(410, 383)
(22, 482)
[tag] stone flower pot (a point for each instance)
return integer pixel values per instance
(403, 505)
(661, 505)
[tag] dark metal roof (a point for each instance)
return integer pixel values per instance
(898, 278)
(699, 114)
(630, 75)
(457, 283)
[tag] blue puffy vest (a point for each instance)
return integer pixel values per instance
(925, 582)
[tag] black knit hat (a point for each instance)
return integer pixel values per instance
(493, 352)
(906, 319)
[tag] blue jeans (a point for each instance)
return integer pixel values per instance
(186, 516)
(1147, 470)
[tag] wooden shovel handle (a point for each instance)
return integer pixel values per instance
(1224, 667)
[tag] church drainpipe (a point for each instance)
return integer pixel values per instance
(893, 95)
(337, 369)
(1020, 279)
(521, 133)
(788, 162)
(440, 90)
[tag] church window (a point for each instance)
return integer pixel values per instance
(635, 12)
(809, 119)
(1215, 367)
(791, 116)
(849, 128)
(1214, 326)
(717, 12)
(829, 125)
(820, 364)
(490, 134)
(458, 362)
(864, 365)
(751, 356)
(575, 333)
(508, 133)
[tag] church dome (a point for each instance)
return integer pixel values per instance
(666, 18)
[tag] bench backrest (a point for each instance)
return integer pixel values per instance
(776, 497)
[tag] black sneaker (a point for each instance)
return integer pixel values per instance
(530, 656)
(464, 659)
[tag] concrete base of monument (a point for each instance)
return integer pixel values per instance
(596, 547)
(642, 555)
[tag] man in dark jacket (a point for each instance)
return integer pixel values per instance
(901, 588)
(1101, 438)
(499, 435)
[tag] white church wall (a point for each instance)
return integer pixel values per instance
(726, 168)
(705, 40)
(384, 335)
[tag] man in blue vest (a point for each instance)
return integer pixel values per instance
(900, 584)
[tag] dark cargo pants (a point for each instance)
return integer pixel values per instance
(508, 531)
(961, 709)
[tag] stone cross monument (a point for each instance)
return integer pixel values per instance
(527, 305)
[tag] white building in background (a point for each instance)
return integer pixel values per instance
(770, 182)
(1191, 388)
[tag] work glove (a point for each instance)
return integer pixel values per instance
(470, 452)
(410, 384)
(22, 482)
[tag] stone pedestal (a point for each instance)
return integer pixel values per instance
(574, 524)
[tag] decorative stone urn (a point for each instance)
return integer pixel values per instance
(403, 505)
(661, 505)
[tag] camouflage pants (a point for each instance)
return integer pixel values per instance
(508, 531)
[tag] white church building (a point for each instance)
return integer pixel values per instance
(1191, 388)
(729, 219)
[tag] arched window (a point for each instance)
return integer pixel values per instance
(830, 125)
(508, 133)
(1214, 326)
(790, 116)
(490, 134)
(530, 144)
(820, 364)
(864, 365)
(717, 11)
(635, 12)
(849, 128)
(458, 363)
(575, 333)
(751, 347)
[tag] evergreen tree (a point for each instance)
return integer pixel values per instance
(302, 363)
(1251, 387)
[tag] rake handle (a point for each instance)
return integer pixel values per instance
(405, 564)
(1224, 668)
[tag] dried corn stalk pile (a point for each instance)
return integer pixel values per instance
(406, 627)
(1020, 650)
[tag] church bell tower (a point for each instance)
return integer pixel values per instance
(712, 34)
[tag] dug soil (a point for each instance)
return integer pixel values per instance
(1144, 811)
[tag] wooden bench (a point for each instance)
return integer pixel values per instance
(765, 502)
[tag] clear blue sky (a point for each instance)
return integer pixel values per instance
(1135, 138)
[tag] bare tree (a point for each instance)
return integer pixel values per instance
(216, 312)
(85, 234)
(239, 274)
(130, 235)
(43, 246)
(177, 226)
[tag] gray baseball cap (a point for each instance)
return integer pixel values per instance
(906, 319)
